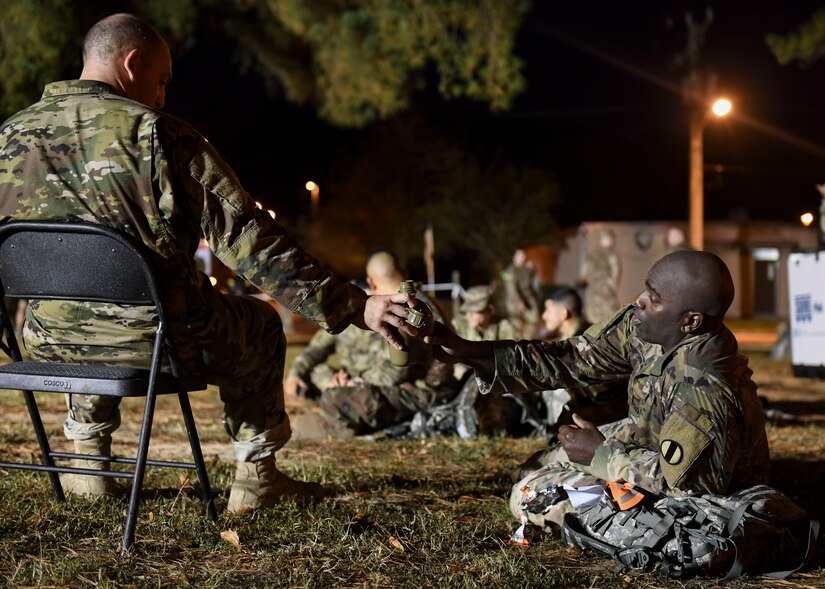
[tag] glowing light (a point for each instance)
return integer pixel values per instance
(259, 205)
(271, 213)
(314, 195)
(722, 107)
(213, 281)
(807, 219)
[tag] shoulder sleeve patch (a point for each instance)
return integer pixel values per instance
(684, 435)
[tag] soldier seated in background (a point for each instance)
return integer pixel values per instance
(562, 315)
(695, 423)
(478, 321)
(602, 403)
(367, 393)
(476, 414)
(316, 366)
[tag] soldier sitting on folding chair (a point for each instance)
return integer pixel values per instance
(99, 149)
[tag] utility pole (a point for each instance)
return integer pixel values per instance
(697, 87)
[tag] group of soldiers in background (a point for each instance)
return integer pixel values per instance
(360, 392)
(599, 285)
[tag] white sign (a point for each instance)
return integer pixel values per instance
(806, 282)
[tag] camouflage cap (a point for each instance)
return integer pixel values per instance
(477, 299)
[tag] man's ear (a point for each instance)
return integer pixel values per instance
(131, 62)
(371, 283)
(691, 322)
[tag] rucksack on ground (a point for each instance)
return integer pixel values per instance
(757, 530)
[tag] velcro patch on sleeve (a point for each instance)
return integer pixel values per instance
(684, 435)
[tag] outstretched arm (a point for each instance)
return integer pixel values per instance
(449, 347)
(386, 314)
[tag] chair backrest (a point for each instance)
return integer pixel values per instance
(75, 261)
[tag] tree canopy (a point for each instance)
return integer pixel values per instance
(358, 64)
(806, 44)
(354, 61)
(41, 40)
(34, 38)
(407, 173)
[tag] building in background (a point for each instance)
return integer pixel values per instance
(756, 253)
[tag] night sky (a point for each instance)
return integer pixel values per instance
(619, 125)
(602, 112)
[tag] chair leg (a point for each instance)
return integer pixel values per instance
(43, 442)
(197, 455)
(140, 470)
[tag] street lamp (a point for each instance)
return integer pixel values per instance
(699, 117)
(314, 193)
(807, 219)
(721, 107)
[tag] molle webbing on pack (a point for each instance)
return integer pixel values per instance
(756, 530)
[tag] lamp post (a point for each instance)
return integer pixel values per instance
(699, 116)
(314, 194)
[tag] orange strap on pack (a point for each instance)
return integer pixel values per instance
(624, 494)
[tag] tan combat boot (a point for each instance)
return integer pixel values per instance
(260, 484)
(90, 486)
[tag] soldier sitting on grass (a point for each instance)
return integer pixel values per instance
(368, 393)
(498, 414)
(695, 423)
(601, 403)
(478, 321)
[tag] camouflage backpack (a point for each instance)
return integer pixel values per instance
(756, 530)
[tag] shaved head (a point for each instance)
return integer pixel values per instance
(686, 293)
(383, 272)
(704, 281)
(115, 35)
(129, 55)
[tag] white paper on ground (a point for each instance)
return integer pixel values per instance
(583, 495)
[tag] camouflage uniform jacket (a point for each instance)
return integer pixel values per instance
(498, 330)
(579, 327)
(695, 423)
(83, 153)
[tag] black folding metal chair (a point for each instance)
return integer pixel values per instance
(88, 262)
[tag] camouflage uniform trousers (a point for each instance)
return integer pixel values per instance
(244, 357)
(365, 408)
(557, 470)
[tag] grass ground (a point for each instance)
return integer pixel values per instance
(407, 514)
